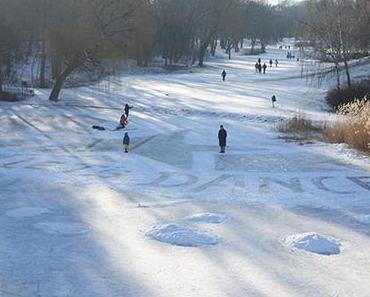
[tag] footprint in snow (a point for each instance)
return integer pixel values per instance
(63, 228)
(26, 212)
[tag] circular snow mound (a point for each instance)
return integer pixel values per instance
(212, 218)
(62, 228)
(26, 212)
(314, 243)
(181, 235)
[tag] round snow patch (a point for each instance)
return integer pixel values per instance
(180, 235)
(314, 243)
(62, 228)
(212, 218)
(26, 212)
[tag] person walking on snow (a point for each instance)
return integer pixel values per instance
(127, 109)
(264, 68)
(126, 142)
(273, 100)
(259, 68)
(223, 74)
(222, 135)
(270, 62)
(276, 62)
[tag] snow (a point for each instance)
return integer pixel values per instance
(75, 210)
(211, 218)
(314, 243)
(181, 235)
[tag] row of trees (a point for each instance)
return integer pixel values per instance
(70, 35)
(339, 30)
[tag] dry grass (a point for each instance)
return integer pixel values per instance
(352, 126)
(297, 124)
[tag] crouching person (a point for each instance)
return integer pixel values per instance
(126, 142)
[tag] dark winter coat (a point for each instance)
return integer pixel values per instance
(222, 134)
(127, 109)
(223, 73)
(126, 139)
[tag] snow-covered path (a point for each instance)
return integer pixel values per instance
(173, 217)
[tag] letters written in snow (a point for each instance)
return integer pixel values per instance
(264, 184)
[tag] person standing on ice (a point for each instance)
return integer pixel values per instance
(126, 142)
(223, 74)
(270, 62)
(273, 100)
(127, 109)
(264, 68)
(222, 135)
(276, 62)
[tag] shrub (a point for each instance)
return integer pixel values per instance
(352, 126)
(337, 97)
(5, 96)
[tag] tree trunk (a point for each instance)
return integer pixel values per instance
(236, 46)
(253, 45)
(337, 75)
(43, 64)
(263, 46)
(56, 66)
(202, 53)
(349, 83)
(58, 85)
(213, 47)
(1, 82)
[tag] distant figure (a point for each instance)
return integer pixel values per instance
(264, 68)
(259, 61)
(256, 66)
(126, 142)
(270, 62)
(276, 63)
(259, 68)
(127, 109)
(223, 74)
(222, 135)
(273, 100)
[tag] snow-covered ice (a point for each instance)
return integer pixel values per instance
(314, 243)
(211, 218)
(181, 235)
(75, 209)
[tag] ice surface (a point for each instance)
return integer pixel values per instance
(181, 235)
(212, 218)
(314, 243)
(25, 212)
(270, 188)
(64, 228)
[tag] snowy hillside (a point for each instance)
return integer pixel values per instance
(173, 217)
